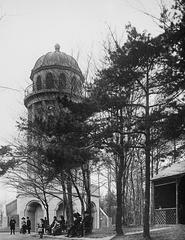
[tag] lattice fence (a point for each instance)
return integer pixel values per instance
(165, 216)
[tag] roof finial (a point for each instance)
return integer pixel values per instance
(57, 47)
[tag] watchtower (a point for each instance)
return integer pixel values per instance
(54, 76)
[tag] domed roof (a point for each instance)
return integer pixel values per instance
(56, 59)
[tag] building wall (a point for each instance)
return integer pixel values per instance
(32, 207)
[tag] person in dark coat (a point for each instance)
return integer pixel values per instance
(28, 225)
(62, 223)
(12, 225)
(46, 225)
(87, 223)
(76, 228)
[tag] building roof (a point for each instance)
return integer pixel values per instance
(174, 170)
(56, 58)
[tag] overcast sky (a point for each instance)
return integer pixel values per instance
(31, 28)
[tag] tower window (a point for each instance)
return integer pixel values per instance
(73, 84)
(62, 81)
(39, 83)
(49, 81)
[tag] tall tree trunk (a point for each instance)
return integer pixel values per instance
(141, 192)
(70, 201)
(46, 206)
(66, 205)
(157, 161)
(86, 179)
(174, 150)
(47, 212)
(119, 210)
(124, 209)
(78, 193)
(133, 194)
(146, 227)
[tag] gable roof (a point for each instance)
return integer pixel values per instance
(177, 168)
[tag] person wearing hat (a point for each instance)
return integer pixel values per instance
(23, 225)
(12, 225)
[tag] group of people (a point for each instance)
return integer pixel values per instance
(58, 226)
(25, 225)
(80, 227)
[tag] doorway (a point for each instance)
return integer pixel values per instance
(35, 212)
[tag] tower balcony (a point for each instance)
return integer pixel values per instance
(31, 93)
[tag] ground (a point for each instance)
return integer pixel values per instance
(174, 232)
(17, 236)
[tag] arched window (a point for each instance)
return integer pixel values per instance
(39, 83)
(73, 84)
(62, 81)
(49, 81)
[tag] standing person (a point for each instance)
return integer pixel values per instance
(28, 225)
(46, 225)
(87, 223)
(12, 225)
(23, 225)
(62, 223)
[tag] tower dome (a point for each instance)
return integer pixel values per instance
(54, 75)
(56, 59)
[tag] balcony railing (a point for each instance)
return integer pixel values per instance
(30, 90)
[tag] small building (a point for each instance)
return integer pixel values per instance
(25, 206)
(168, 195)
